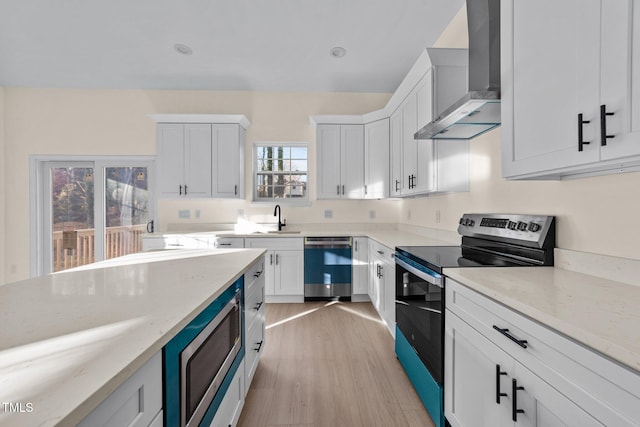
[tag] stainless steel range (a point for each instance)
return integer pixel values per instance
(488, 240)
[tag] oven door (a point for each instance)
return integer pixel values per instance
(420, 313)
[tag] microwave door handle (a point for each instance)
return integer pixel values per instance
(437, 281)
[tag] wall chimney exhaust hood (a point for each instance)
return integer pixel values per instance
(479, 110)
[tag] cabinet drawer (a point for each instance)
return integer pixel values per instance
(380, 249)
(229, 242)
(254, 272)
(254, 345)
(281, 243)
(607, 390)
(254, 300)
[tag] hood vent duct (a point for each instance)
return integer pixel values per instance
(479, 110)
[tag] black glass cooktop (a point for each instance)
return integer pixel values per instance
(438, 257)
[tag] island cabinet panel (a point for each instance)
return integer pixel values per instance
(502, 368)
(135, 403)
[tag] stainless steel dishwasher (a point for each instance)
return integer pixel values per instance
(327, 268)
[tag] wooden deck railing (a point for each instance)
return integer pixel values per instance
(118, 241)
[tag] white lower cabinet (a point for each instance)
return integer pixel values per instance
(502, 369)
(135, 403)
(254, 318)
(382, 288)
(228, 412)
(360, 269)
(284, 267)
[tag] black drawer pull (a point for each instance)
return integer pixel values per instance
(258, 274)
(498, 393)
(257, 307)
(257, 350)
(505, 332)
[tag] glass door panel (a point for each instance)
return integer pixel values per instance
(72, 217)
(126, 209)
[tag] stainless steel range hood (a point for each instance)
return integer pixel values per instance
(479, 110)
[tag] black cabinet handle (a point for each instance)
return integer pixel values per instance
(397, 184)
(581, 122)
(258, 274)
(257, 350)
(338, 187)
(257, 307)
(514, 402)
(365, 189)
(343, 190)
(185, 189)
(505, 332)
(150, 227)
(180, 191)
(276, 259)
(498, 393)
(224, 244)
(270, 259)
(603, 125)
(235, 190)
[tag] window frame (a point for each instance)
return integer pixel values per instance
(297, 201)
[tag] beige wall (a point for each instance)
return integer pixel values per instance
(109, 122)
(593, 214)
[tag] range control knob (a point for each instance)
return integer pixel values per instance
(512, 225)
(462, 221)
(470, 222)
(534, 227)
(522, 226)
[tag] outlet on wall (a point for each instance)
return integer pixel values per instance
(372, 214)
(328, 213)
(438, 216)
(184, 214)
(197, 213)
(408, 214)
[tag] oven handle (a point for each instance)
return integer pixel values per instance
(432, 278)
(432, 310)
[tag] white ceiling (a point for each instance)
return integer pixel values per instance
(280, 45)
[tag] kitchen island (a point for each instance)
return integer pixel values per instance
(68, 340)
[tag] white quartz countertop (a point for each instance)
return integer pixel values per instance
(599, 313)
(69, 339)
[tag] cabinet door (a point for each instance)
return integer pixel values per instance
(170, 158)
(388, 283)
(471, 383)
(425, 160)
(226, 160)
(621, 77)
(376, 159)
(543, 405)
(289, 273)
(328, 151)
(360, 268)
(409, 144)
(197, 166)
(395, 134)
(352, 161)
(549, 76)
(269, 273)
(374, 280)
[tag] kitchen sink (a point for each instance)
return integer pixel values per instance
(277, 232)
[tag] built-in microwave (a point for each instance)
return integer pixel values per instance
(201, 360)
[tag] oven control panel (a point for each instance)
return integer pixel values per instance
(507, 227)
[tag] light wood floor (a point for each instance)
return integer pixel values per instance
(330, 364)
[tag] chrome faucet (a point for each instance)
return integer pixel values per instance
(277, 211)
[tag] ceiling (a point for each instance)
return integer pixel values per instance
(261, 45)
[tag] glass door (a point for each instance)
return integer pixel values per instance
(92, 211)
(126, 198)
(71, 199)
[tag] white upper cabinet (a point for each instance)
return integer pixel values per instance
(184, 160)
(376, 159)
(568, 89)
(228, 161)
(395, 135)
(340, 160)
(199, 158)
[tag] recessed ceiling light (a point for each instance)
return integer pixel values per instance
(338, 52)
(183, 49)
